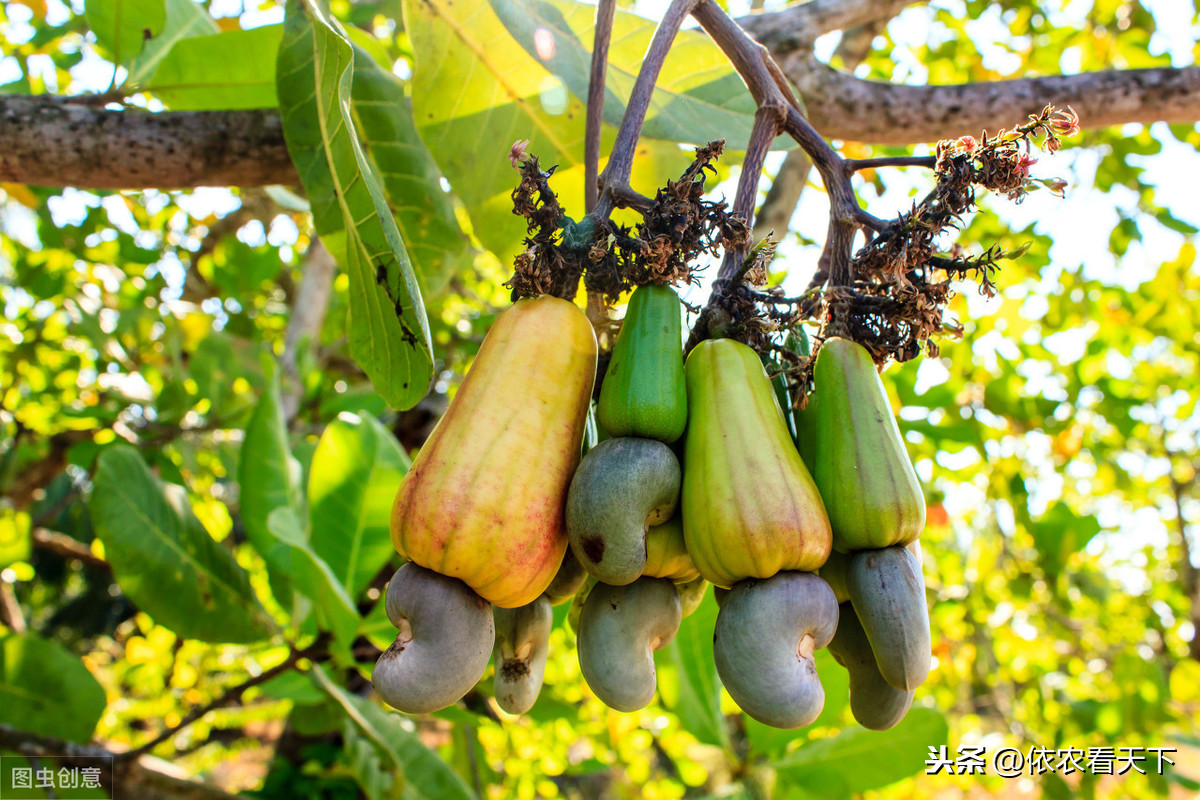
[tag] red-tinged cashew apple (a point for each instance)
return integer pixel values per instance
(483, 500)
(444, 640)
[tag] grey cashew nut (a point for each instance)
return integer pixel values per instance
(888, 592)
(522, 643)
(875, 703)
(444, 641)
(619, 630)
(621, 488)
(763, 645)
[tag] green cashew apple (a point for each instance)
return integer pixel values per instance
(643, 393)
(484, 499)
(567, 581)
(667, 555)
(888, 593)
(444, 640)
(691, 595)
(621, 488)
(522, 644)
(750, 508)
(619, 630)
(833, 572)
(875, 703)
(861, 465)
(766, 634)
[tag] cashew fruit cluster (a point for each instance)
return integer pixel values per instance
(807, 524)
(849, 437)
(479, 515)
(622, 518)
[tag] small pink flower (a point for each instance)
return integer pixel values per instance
(967, 144)
(516, 155)
(1065, 123)
(1024, 162)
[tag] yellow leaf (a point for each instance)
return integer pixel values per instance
(20, 192)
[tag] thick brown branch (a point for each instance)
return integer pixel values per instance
(131, 779)
(798, 26)
(605, 12)
(55, 142)
(844, 107)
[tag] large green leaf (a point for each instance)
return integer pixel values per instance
(269, 477)
(698, 97)
(45, 689)
(388, 331)
(352, 482)
(857, 760)
(164, 559)
(425, 775)
(124, 26)
(313, 578)
(185, 18)
(421, 207)
(476, 91)
(688, 682)
(221, 71)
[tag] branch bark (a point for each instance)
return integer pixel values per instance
(52, 141)
(132, 779)
(844, 107)
(797, 27)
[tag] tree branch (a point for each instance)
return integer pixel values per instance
(134, 779)
(307, 317)
(798, 26)
(54, 141)
(844, 107)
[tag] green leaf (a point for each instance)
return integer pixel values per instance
(222, 71)
(698, 97)
(688, 682)
(388, 331)
(185, 18)
(164, 559)
(313, 578)
(476, 91)
(124, 26)
(268, 476)
(1059, 533)
(857, 760)
(366, 765)
(426, 775)
(45, 689)
(352, 482)
(421, 207)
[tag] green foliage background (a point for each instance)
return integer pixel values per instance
(242, 507)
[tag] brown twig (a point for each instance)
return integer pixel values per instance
(615, 177)
(62, 545)
(605, 12)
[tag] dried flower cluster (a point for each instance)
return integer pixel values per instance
(676, 229)
(901, 286)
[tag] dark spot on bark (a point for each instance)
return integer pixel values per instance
(593, 548)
